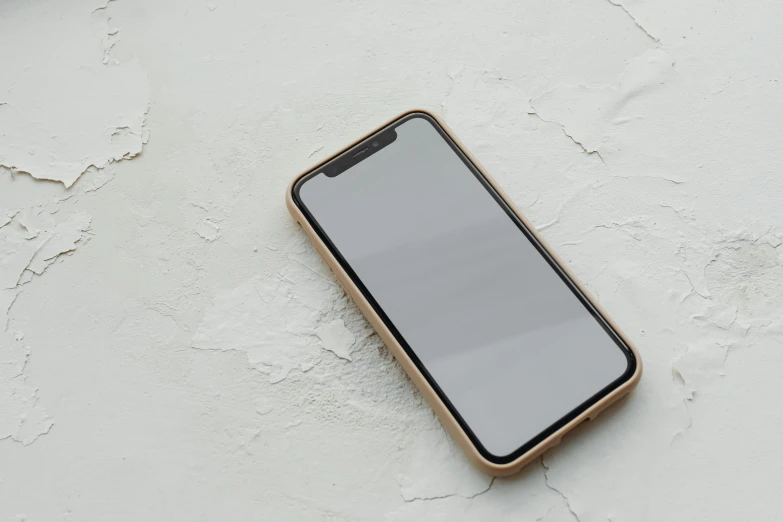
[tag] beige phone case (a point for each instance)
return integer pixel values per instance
(446, 417)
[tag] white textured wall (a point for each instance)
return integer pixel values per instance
(172, 349)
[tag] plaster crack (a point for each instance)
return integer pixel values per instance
(669, 180)
(102, 7)
(560, 493)
(587, 151)
(682, 432)
(317, 274)
(161, 308)
(677, 211)
(546, 514)
(7, 312)
(635, 21)
(315, 149)
(255, 437)
(453, 73)
(452, 495)
(560, 210)
(693, 288)
(550, 224)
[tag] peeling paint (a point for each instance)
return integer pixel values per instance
(336, 338)
(90, 117)
(29, 244)
(593, 117)
(58, 141)
(22, 418)
(208, 230)
(275, 320)
(36, 242)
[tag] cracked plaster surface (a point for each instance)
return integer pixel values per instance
(276, 320)
(66, 103)
(165, 328)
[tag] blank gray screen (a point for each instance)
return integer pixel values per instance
(499, 331)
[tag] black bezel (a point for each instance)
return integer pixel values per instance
(527, 446)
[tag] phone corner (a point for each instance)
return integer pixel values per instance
(478, 457)
(510, 468)
(635, 359)
(421, 113)
(633, 381)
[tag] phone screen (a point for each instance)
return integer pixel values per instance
(504, 337)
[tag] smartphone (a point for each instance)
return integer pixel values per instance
(498, 335)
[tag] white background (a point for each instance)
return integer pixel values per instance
(174, 350)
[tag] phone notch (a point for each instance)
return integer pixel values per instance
(360, 152)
